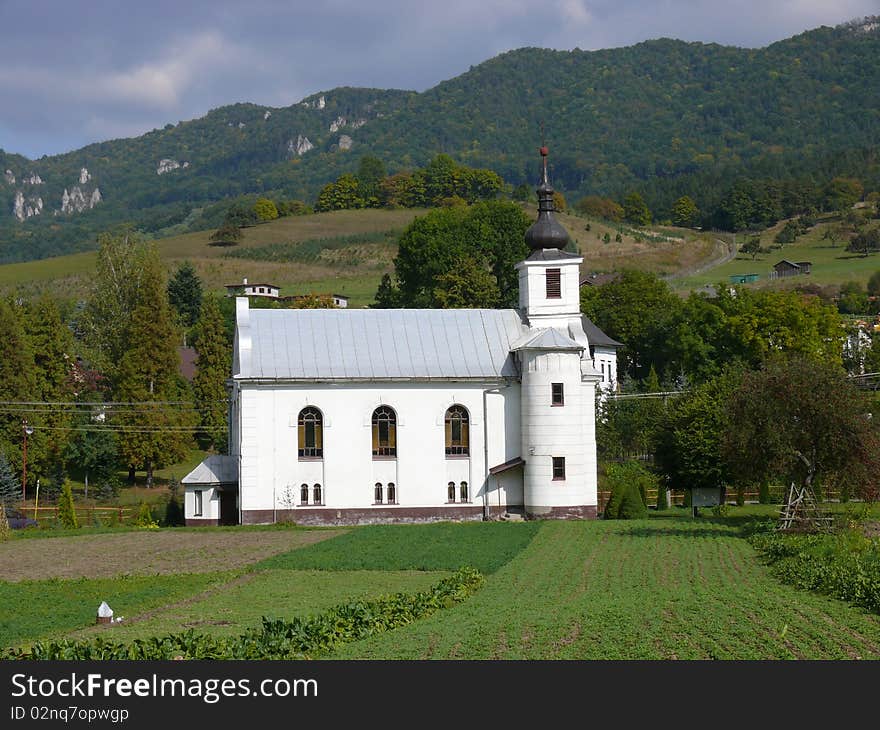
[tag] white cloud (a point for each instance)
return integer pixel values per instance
(575, 11)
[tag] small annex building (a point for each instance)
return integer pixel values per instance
(352, 416)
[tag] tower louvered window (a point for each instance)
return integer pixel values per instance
(554, 284)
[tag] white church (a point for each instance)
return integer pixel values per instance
(346, 416)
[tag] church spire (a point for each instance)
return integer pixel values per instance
(546, 232)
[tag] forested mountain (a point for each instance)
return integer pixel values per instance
(663, 117)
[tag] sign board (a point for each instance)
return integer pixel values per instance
(706, 496)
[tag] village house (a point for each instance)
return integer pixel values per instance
(252, 290)
(351, 416)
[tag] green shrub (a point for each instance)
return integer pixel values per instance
(632, 506)
(66, 511)
(629, 483)
(174, 516)
(300, 638)
(844, 565)
(740, 496)
(662, 497)
(764, 493)
(145, 517)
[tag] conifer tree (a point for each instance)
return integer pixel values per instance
(173, 512)
(66, 510)
(147, 374)
(185, 293)
(16, 377)
(10, 487)
(51, 342)
(213, 368)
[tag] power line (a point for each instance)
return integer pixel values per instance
(101, 404)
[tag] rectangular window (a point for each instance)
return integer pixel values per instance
(197, 497)
(558, 468)
(558, 398)
(603, 372)
(554, 284)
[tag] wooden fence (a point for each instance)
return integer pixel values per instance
(84, 515)
(777, 496)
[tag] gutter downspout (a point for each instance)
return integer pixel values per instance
(486, 457)
(486, 448)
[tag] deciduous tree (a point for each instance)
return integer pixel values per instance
(685, 212)
(803, 421)
(635, 210)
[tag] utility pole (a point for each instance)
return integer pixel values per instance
(26, 431)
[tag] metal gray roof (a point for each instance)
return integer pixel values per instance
(551, 254)
(597, 336)
(216, 469)
(377, 344)
(547, 339)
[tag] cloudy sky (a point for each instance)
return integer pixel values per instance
(72, 73)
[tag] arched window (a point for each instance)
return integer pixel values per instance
(378, 494)
(304, 494)
(464, 492)
(450, 492)
(457, 431)
(384, 432)
(316, 494)
(392, 493)
(310, 427)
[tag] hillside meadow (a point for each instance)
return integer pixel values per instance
(831, 262)
(347, 252)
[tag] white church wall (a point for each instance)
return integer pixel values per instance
(421, 470)
(605, 362)
(210, 499)
(554, 431)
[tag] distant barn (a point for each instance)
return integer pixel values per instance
(785, 268)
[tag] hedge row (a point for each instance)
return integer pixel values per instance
(300, 638)
(845, 565)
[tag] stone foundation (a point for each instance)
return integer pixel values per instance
(326, 516)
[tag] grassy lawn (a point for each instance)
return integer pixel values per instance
(668, 587)
(485, 546)
(241, 603)
(32, 610)
(831, 264)
(662, 588)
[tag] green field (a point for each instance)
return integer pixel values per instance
(441, 546)
(664, 588)
(240, 604)
(668, 587)
(831, 264)
(32, 610)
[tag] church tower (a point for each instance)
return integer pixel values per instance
(558, 377)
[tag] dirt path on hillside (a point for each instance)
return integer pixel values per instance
(724, 252)
(147, 552)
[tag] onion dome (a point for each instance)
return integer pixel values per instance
(546, 232)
